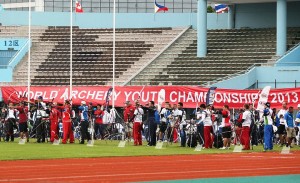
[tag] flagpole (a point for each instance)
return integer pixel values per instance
(114, 54)
(71, 46)
(29, 52)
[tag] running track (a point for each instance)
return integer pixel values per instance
(149, 168)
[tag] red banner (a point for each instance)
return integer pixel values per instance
(189, 95)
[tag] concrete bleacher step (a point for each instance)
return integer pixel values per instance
(229, 52)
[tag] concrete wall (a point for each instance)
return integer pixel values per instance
(6, 74)
(104, 20)
(285, 77)
(291, 58)
(263, 15)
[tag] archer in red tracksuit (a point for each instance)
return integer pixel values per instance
(128, 118)
(55, 115)
(67, 124)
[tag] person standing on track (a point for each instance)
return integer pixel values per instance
(128, 118)
(289, 126)
(84, 122)
(281, 128)
(226, 127)
(151, 123)
(181, 114)
(206, 119)
(40, 127)
(54, 117)
(10, 122)
(165, 121)
(23, 118)
(268, 127)
(246, 122)
(99, 126)
(67, 123)
(137, 126)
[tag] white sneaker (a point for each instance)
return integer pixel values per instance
(222, 148)
(203, 147)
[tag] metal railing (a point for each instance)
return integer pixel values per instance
(157, 56)
(209, 83)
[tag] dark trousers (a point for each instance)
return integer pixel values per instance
(40, 130)
(10, 129)
(84, 131)
(152, 132)
(200, 133)
(254, 139)
(99, 130)
(183, 137)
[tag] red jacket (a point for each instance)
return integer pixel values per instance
(98, 116)
(67, 112)
(54, 115)
(129, 113)
(23, 112)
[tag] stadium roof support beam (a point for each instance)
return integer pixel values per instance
(281, 27)
(231, 12)
(202, 28)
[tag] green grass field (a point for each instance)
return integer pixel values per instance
(32, 150)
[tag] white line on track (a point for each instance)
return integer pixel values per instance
(140, 174)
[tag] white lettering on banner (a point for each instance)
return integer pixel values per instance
(135, 95)
(91, 94)
(190, 97)
(288, 97)
(53, 94)
(74, 94)
(45, 96)
(38, 93)
(80, 94)
(127, 95)
(154, 93)
(171, 96)
(295, 99)
(143, 97)
(199, 97)
(254, 96)
(227, 98)
(116, 95)
(235, 98)
(65, 95)
(243, 97)
(100, 95)
(181, 97)
(218, 98)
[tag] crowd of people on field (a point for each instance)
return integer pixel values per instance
(206, 126)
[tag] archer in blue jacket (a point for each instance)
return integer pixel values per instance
(84, 122)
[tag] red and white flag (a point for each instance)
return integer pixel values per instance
(78, 8)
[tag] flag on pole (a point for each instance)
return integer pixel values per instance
(78, 8)
(1, 7)
(210, 96)
(158, 8)
(221, 8)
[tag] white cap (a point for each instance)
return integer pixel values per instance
(298, 105)
(83, 102)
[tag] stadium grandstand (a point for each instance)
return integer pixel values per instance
(154, 54)
(211, 75)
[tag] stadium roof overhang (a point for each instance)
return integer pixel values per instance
(244, 1)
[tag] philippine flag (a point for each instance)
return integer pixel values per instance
(158, 8)
(78, 8)
(220, 8)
